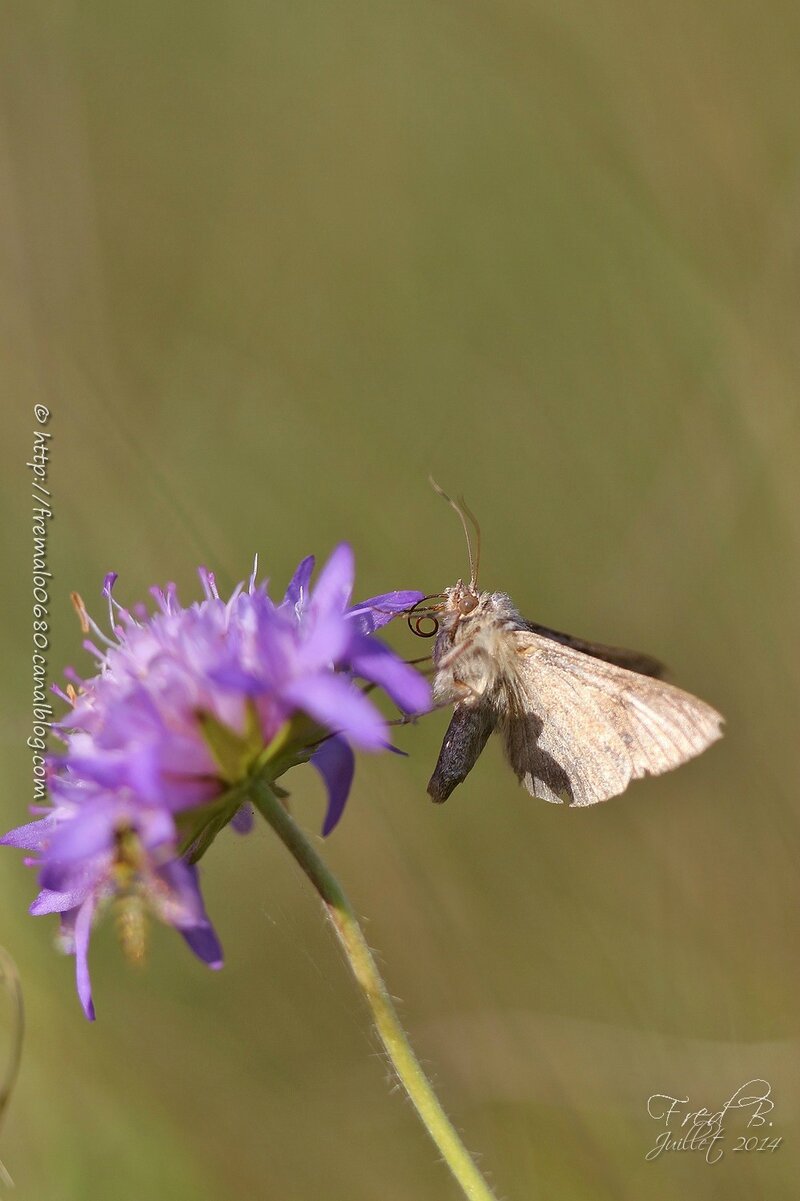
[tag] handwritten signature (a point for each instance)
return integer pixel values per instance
(704, 1130)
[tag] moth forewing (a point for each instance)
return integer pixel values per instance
(582, 728)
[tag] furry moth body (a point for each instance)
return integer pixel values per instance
(579, 720)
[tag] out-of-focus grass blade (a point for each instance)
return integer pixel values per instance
(12, 1048)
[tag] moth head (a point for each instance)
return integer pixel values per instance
(463, 598)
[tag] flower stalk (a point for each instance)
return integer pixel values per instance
(354, 944)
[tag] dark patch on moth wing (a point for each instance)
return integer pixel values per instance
(467, 735)
(637, 661)
(533, 765)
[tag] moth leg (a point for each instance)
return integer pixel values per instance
(468, 693)
(454, 655)
(411, 719)
(455, 691)
(430, 667)
(429, 670)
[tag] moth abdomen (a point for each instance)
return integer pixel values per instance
(467, 735)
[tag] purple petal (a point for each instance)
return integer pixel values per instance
(184, 909)
(297, 591)
(83, 928)
(156, 827)
(336, 763)
(140, 767)
(74, 875)
(182, 906)
(242, 820)
(32, 836)
(50, 901)
(108, 770)
(236, 679)
(88, 832)
(375, 662)
(205, 944)
(335, 582)
(144, 772)
(371, 614)
(339, 706)
(327, 642)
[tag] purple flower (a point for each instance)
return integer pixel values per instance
(184, 703)
(106, 852)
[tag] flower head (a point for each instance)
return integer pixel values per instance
(186, 703)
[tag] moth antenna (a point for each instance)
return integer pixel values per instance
(474, 520)
(473, 563)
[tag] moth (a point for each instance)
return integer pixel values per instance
(578, 720)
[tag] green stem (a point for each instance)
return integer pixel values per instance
(365, 970)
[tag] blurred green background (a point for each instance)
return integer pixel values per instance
(269, 265)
